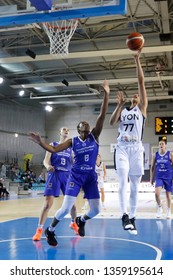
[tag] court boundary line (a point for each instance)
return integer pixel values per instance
(158, 251)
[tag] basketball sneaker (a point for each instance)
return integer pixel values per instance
(103, 206)
(159, 212)
(74, 226)
(133, 230)
(126, 223)
(81, 225)
(168, 213)
(50, 236)
(37, 236)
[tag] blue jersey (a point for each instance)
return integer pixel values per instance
(61, 160)
(85, 153)
(163, 166)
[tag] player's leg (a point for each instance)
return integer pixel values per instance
(122, 194)
(91, 192)
(159, 203)
(102, 197)
(73, 224)
(102, 192)
(67, 205)
(52, 189)
(168, 189)
(63, 178)
(158, 189)
(122, 166)
(94, 209)
(48, 202)
(168, 198)
(134, 186)
(136, 170)
(85, 206)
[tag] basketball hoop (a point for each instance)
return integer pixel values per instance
(60, 34)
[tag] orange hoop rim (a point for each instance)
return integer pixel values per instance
(59, 27)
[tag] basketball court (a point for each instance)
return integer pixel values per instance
(105, 239)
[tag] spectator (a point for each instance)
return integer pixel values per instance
(3, 191)
(41, 178)
(3, 171)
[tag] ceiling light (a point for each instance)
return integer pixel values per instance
(21, 92)
(48, 108)
(16, 135)
(1, 80)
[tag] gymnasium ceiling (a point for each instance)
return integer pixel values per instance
(97, 51)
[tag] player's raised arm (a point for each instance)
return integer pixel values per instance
(35, 137)
(141, 84)
(117, 112)
(101, 117)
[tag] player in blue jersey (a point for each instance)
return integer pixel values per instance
(58, 166)
(129, 150)
(83, 175)
(161, 174)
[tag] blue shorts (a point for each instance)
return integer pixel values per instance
(87, 181)
(55, 182)
(164, 183)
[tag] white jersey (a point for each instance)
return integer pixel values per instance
(100, 171)
(131, 125)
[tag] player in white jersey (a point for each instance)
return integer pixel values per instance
(101, 173)
(129, 150)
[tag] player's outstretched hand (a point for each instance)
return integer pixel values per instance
(120, 97)
(137, 55)
(106, 87)
(35, 137)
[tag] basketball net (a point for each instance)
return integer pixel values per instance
(60, 34)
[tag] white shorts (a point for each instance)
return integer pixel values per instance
(131, 158)
(101, 184)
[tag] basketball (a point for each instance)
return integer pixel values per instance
(135, 41)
